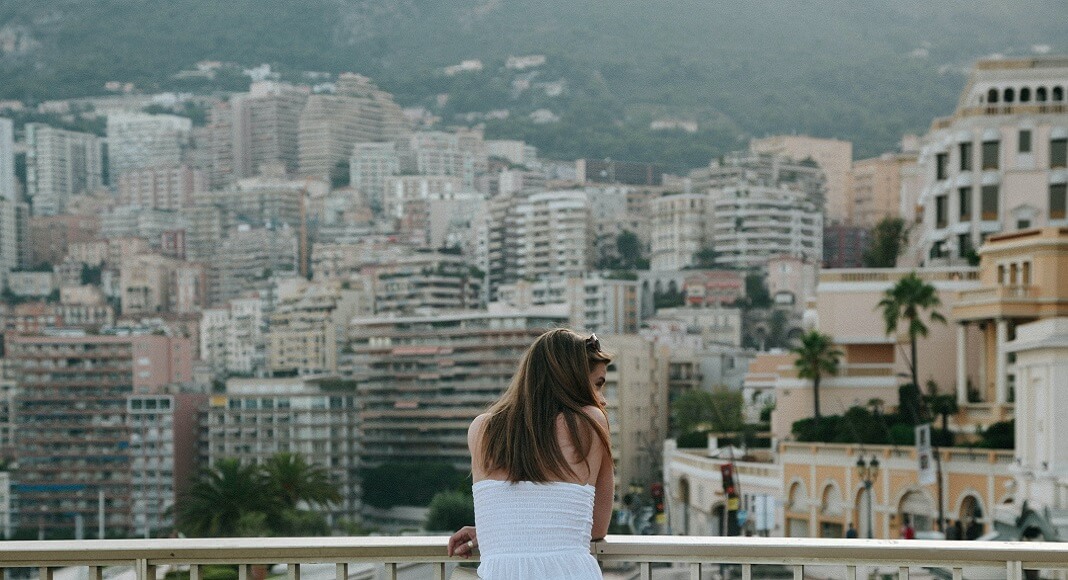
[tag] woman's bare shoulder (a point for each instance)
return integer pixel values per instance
(597, 414)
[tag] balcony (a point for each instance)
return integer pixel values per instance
(1010, 301)
(424, 556)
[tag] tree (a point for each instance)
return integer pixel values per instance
(906, 302)
(450, 510)
(756, 290)
(413, 484)
(231, 499)
(220, 501)
(888, 239)
(697, 410)
(630, 250)
(706, 257)
(816, 357)
(295, 481)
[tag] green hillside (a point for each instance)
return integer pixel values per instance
(863, 71)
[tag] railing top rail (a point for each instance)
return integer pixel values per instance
(614, 548)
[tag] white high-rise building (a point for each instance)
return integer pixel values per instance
(8, 189)
(140, 141)
(60, 165)
(371, 164)
(753, 223)
(999, 163)
(681, 229)
(547, 235)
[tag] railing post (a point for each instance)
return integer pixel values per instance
(391, 571)
(97, 573)
(646, 569)
(46, 573)
(293, 571)
(695, 571)
(194, 572)
(243, 572)
(439, 570)
(342, 571)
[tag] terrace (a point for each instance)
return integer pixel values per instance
(644, 557)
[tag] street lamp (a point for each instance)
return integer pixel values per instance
(868, 472)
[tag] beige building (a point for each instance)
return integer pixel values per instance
(817, 490)
(1023, 281)
(999, 163)
(876, 188)
(835, 158)
(846, 307)
(169, 188)
(150, 283)
(421, 380)
(681, 228)
(308, 326)
(423, 282)
(636, 393)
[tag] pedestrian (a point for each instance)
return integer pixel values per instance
(851, 532)
(541, 465)
(954, 531)
(907, 531)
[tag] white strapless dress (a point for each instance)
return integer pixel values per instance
(534, 531)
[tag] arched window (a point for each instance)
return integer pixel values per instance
(1025, 95)
(1058, 94)
(1040, 94)
(992, 96)
(832, 504)
(1010, 95)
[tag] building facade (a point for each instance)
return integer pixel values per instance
(139, 141)
(999, 163)
(60, 165)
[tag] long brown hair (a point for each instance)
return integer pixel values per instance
(553, 379)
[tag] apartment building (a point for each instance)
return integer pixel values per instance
(315, 418)
(139, 141)
(595, 303)
(546, 235)
(50, 237)
(424, 281)
(680, 229)
(369, 167)
(72, 438)
(163, 432)
(252, 258)
(331, 125)
(131, 221)
(753, 223)
(308, 325)
(168, 188)
(876, 188)
(232, 338)
(636, 397)
(999, 164)
(8, 184)
(422, 379)
(834, 158)
(60, 165)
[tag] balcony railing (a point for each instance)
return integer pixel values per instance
(351, 555)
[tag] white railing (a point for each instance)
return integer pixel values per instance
(695, 554)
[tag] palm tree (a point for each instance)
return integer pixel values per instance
(905, 302)
(217, 501)
(295, 480)
(816, 357)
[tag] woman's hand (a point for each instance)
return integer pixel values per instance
(463, 542)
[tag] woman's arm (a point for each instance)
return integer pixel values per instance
(604, 486)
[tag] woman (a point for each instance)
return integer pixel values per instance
(541, 461)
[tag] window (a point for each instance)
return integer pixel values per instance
(964, 198)
(1010, 95)
(964, 244)
(990, 155)
(1058, 153)
(1040, 94)
(992, 96)
(941, 211)
(965, 156)
(1057, 202)
(1023, 224)
(1025, 141)
(941, 166)
(1025, 95)
(1058, 94)
(990, 200)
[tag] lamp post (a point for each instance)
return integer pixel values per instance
(868, 471)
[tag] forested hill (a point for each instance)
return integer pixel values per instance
(864, 71)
